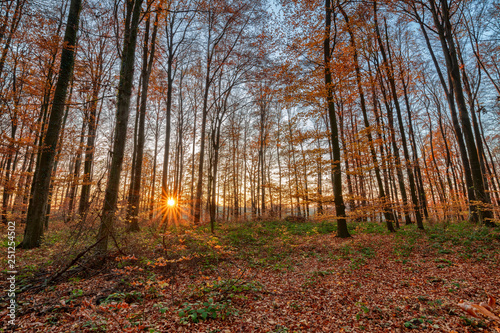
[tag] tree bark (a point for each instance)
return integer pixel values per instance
(147, 66)
(122, 114)
(337, 189)
(443, 25)
(388, 214)
(36, 212)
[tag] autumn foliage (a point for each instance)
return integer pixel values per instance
(147, 138)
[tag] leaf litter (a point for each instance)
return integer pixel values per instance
(373, 282)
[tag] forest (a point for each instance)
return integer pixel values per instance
(250, 166)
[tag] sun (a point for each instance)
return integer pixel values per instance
(171, 202)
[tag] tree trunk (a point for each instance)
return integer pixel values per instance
(147, 65)
(122, 115)
(36, 212)
(445, 32)
(388, 214)
(337, 189)
(392, 85)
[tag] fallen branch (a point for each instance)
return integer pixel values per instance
(73, 262)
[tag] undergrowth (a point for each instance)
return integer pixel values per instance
(151, 262)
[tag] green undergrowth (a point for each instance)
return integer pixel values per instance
(274, 244)
(261, 232)
(219, 268)
(466, 239)
(270, 243)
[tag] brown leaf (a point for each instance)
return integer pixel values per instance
(485, 312)
(474, 309)
(467, 307)
(491, 301)
(486, 306)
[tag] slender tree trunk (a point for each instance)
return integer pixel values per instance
(170, 79)
(76, 173)
(7, 187)
(337, 189)
(122, 115)
(319, 170)
(56, 162)
(392, 85)
(445, 32)
(191, 201)
(147, 66)
(262, 140)
(153, 181)
(456, 125)
(199, 185)
(89, 149)
(416, 165)
(388, 214)
(14, 24)
(216, 145)
(396, 156)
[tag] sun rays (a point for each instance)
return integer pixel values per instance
(171, 212)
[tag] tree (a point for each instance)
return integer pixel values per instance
(337, 184)
(225, 27)
(133, 14)
(147, 65)
(178, 21)
(389, 215)
(392, 85)
(441, 17)
(36, 212)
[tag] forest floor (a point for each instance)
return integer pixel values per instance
(266, 276)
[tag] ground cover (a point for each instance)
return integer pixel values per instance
(264, 276)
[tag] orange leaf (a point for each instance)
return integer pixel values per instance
(474, 309)
(491, 301)
(486, 306)
(485, 312)
(467, 307)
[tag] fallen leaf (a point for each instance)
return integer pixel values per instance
(491, 301)
(474, 309)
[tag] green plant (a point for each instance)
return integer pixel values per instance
(310, 281)
(326, 227)
(356, 263)
(445, 263)
(404, 247)
(414, 323)
(280, 329)
(323, 273)
(161, 307)
(53, 320)
(75, 279)
(363, 307)
(226, 289)
(132, 297)
(76, 293)
(472, 322)
(96, 325)
(346, 251)
(194, 312)
(367, 251)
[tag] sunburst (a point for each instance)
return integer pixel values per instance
(171, 212)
